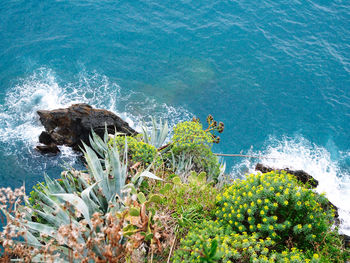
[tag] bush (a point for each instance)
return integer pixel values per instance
(189, 202)
(265, 218)
(192, 141)
(276, 206)
(138, 151)
(231, 247)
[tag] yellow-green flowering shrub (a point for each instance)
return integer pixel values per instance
(138, 151)
(189, 134)
(231, 247)
(275, 205)
(265, 218)
(190, 139)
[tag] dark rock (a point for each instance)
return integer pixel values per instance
(299, 174)
(72, 126)
(45, 138)
(330, 205)
(51, 148)
(346, 240)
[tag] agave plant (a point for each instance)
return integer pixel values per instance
(76, 199)
(181, 165)
(158, 133)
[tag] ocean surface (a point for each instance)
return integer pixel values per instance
(277, 73)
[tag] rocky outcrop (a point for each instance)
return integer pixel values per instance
(299, 174)
(72, 126)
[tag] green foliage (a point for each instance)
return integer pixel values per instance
(189, 202)
(210, 254)
(274, 205)
(189, 134)
(33, 195)
(332, 248)
(33, 201)
(139, 151)
(190, 141)
(232, 246)
(266, 218)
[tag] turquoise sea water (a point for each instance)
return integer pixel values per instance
(277, 73)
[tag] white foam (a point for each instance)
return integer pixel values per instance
(19, 122)
(299, 154)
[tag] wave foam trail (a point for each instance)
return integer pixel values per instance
(300, 154)
(19, 122)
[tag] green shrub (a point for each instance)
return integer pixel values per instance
(33, 201)
(192, 141)
(138, 151)
(189, 134)
(232, 247)
(265, 218)
(189, 202)
(276, 206)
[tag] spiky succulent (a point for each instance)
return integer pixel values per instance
(78, 200)
(157, 135)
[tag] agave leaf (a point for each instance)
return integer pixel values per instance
(154, 132)
(95, 146)
(52, 185)
(158, 133)
(150, 175)
(96, 169)
(53, 220)
(222, 168)
(66, 184)
(45, 198)
(31, 239)
(105, 135)
(163, 133)
(116, 177)
(44, 189)
(85, 195)
(81, 182)
(145, 135)
(39, 258)
(97, 143)
(56, 211)
(77, 203)
(41, 228)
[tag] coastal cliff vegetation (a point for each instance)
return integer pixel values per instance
(156, 197)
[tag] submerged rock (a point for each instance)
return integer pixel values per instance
(71, 126)
(51, 148)
(299, 174)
